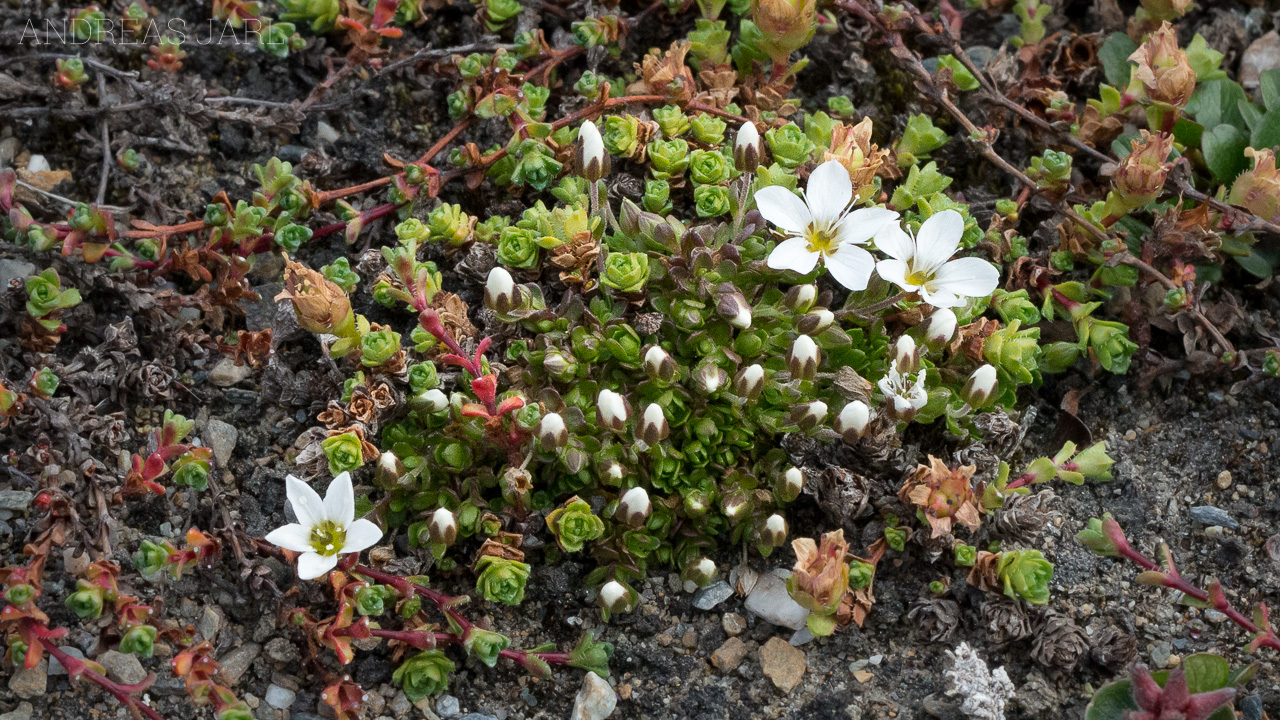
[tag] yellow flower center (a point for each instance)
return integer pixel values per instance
(822, 241)
(916, 277)
(327, 538)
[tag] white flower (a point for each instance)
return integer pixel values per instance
(326, 528)
(942, 327)
(904, 395)
(594, 160)
(820, 227)
(614, 596)
(612, 409)
(924, 264)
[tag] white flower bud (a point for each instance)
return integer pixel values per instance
(592, 158)
(789, 484)
(815, 321)
(980, 386)
(500, 292)
(443, 527)
(809, 415)
(614, 597)
(775, 530)
(552, 433)
(942, 327)
(659, 365)
(555, 363)
(634, 507)
(749, 382)
(735, 504)
(699, 573)
(614, 472)
(747, 148)
(389, 469)
(803, 358)
(434, 400)
(734, 308)
(709, 378)
(801, 297)
(653, 426)
(612, 410)
(852, 421)
(906, 356)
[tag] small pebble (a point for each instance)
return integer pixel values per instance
(1224, 479)
(733, 624)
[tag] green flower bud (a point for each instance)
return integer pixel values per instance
(449, 224)
(485, 645)
(671, 120)
(712, 200)
(709, 167)
(895, 537)
(424, 674)
(1026, 575)
(150, 558)
(668, 158)
(378, 346)
(622, 135)
(423, 376)
(573, 524)
(19, 594)
(46, 382)
(861, 574)
(339, 273)
(709, 129)
(918, 140)
(345, 452)
(1097, 538)
(626, 272)
(1015, 306)
(518, 247)
(45, 294)
(85, 602)
(412, 230)
(1059, 356)
(190, 471)
(139, 640)
(1110, 343)
(965, 555)
(791, 148)
(501, 580)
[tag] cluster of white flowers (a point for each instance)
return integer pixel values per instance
(821, 227)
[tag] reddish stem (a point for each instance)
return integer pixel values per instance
(120, 692)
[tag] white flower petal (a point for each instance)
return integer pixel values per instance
(306, 502)
(860, 226)
(895, 271)
(340, 500)
(969, 276)
(293, 537)
(360, 535)
(781, 207)
(940, 299)
(793, 254)
(313, 565)
(886, 384)
(851, 266)
(937, 241)
(828, 192)
(895, 242)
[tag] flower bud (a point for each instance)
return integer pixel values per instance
(1140, 176)
(734, 308)
(775, 530)
(592, 158)
(790, 484)
(558, 364)
(699, 572)
(735, 504)
(800, 298)
(980, 386)
(389, 469)
(659, 365)
(611, 409)
(785, 25)
(634, 507)
(1163, 69)
(443, 527)
(803, 358)
(432, 401)
(852, 421)
(552, 433)
(709, 378)
(942, 327)
(320, 305)
(749, 382)
(614, 597)
(500, 292)
(747, 148)
(906, 356)
(815, 321)
(653, 426)
(613, 472)
(809, 415)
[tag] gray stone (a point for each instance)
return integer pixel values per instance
(14, 270)
(712, 595)
(478, 716)
(595, 701)
(29, 683)
(803, 636)
(279, 698)
(122, 667)
(325, 133)
(448, 707)
(221, 437)
(235, 663)
(210, 623)
(15, 499)
(1210, 515)
(227, 373)
(1262, 55)
(770, 601)
(281, 650)
(22, 712)
(55, 667)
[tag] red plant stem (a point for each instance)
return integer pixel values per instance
(1173, 580)
(408, 589)
(427, 639)
(116, 690)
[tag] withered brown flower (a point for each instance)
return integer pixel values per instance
(853, 149)
(321, 306)
(944, 495)
(665, 74)
(821, 575)
(1163, 70)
